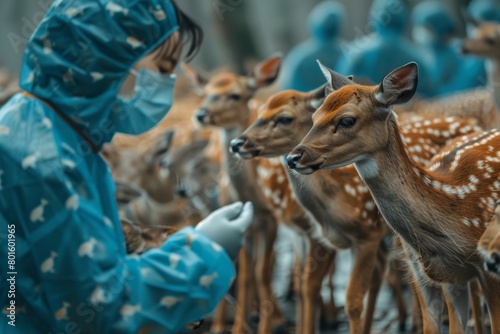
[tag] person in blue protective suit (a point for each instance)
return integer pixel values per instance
(473, 72)
(433, 29)
(300, 69)
(369, 57)
(69, 262)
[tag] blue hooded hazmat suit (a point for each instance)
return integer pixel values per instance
(58, 217)
(433, 29)
(300, 69)
(372, 56)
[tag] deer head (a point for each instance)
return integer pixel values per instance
(284, 120)
(486, 42)
(489, 244)
(351, 125)
(226, 94)
(158, 170)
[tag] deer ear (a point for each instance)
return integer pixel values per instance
(162, 146)
(317, 96)
(110, 154)
(266, 72)
(399, 86)
(197, 80)
(335, 80)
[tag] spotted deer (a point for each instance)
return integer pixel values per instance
(164, 185)
(489, 244)
(439, 212)
(338, 199)
(225, 107)
(486, 44)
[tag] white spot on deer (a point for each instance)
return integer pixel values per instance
(37, 213)
(4, 130)
(446, 134)
(473, 179)
(134, 42)
(72, 203)
(174, 260)
(170, 301)
(62, 313)
(466, 222)
(30, 161)
(369, 205)
(114, 8)
(364, 214)
(207, 280)
(476, 222)
(350, 190)
(128, 311)
(48, 264)
(427, 123)
(281, 178)
(263, 172)
(436, 184)
(87, 248)
(96, 76)
(487, 175)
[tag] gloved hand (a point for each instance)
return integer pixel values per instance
(227, 225)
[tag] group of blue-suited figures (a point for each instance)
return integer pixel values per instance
(383, 45)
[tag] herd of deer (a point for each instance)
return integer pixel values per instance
(346, 171)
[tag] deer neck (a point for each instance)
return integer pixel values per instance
(427, 219)
(241, 173)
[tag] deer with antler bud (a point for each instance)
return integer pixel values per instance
(439, 212)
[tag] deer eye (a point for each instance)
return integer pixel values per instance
(235, 97)
(489, 40)
(347, 122)
(284, 120)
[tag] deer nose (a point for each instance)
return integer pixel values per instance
(293, 160)
(201, 114)
(237, 144)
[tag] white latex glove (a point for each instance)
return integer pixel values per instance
(227, 226)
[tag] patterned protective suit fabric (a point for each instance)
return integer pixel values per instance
(72, 269)
(433, 29)
(371, 57)
(300, 69)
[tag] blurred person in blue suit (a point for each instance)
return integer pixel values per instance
(300, 70)
(370, 57)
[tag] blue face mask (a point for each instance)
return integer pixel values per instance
(152, 99)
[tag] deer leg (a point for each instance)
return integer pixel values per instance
(270, 314)
(430, 299)
(329, 309)
(492, 295)
(457, 301)
(297, 286)
(477, 307)
(317, 264)
(376, 283)
(359, 283)
(417, 325)
(219, 320)
(395, 281)
(244, 280)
